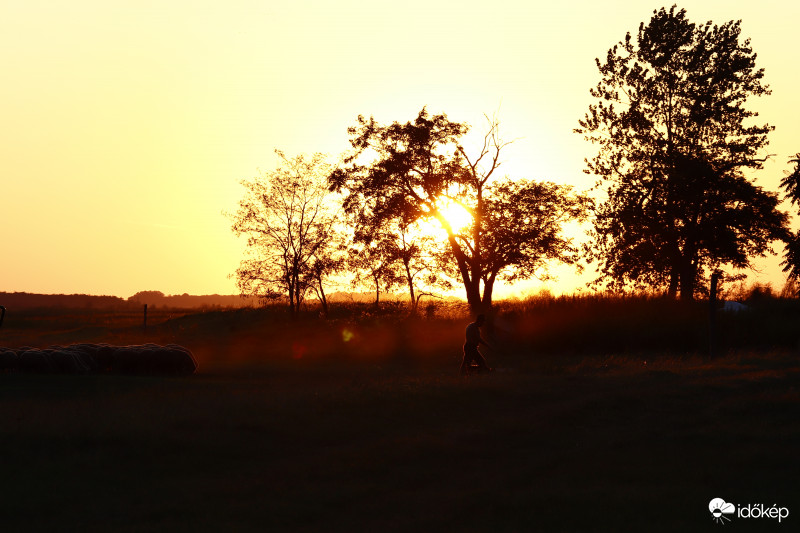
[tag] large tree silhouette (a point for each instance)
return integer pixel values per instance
(414, 170)
(289, 217)
(791, 257)
(674, 140)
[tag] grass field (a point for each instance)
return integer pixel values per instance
(285, 432)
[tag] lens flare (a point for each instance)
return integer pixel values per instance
(347, 335)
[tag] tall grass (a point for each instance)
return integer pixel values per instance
(540, 325)
(604, 324)
(522, 330)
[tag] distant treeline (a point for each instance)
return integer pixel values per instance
(25, 300)
(189, 301)
(157, 299)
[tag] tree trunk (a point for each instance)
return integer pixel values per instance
(294, 289)
(410, 280)
(471, 283)
(291, 299)
(474, 296)
(688, 278)
(323, 300)
(471, 286)
(467, 269)
(488, 288)
(712, 314)
(674, 282)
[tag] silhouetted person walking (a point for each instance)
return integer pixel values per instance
(471, 353)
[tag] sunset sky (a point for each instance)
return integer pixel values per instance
(126, 126)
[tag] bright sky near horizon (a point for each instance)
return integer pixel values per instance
(126, 126)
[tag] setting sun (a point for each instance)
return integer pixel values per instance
(455, 214)
(458, 217)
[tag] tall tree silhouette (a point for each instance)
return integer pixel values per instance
(289, 219)
(419, 168)
(791, 257)
(674, 140)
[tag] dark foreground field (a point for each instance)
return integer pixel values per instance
(608, 417)
(310, 446)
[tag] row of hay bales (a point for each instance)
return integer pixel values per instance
(153, 359)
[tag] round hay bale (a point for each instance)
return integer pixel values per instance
(128, 360)
(36, 361)
(104, 358)
(9, 361)
(176, 360)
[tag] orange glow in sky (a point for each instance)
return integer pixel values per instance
(126, 127)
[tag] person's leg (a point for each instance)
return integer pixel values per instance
(469, 354)
(481, 361)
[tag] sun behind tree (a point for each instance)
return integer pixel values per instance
(459, 218)
(418, 171)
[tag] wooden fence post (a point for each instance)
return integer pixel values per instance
(712, 314)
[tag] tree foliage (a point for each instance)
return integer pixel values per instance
(289, 220)
(397, 252)
(525, 221)
(674, 138)
(791, 257)
(373, 261)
